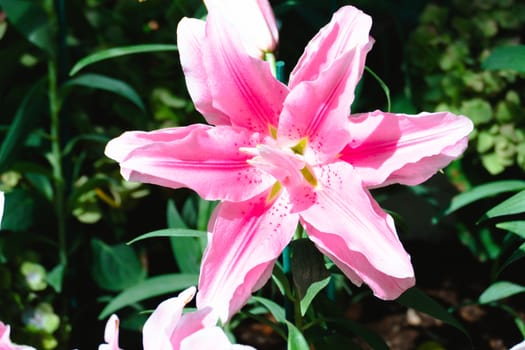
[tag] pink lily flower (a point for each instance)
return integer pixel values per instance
(111, 334)
(281, 155)
(254, 20)
(520, 346)
(168, 329)
(5, 340)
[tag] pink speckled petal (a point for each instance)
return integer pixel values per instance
(388, 148)
(204, 158)
(359, 237)
(245, 240)
(322, 85)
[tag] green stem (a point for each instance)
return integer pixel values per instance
(56, 160)
(297, 313)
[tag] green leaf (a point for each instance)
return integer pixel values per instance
(149, 288)
(275, 309)
(517, 255)
(186, 250)
(500, 290)
(507, 58)
(171, 232)
(19, 209)
(484, 191)
(23, 123)
(511, 206)
(115, 267)
(296, 340)
(55, 277)
(372, 338)
(117, 52)
(307, 265)
(102, 82)
(384, 87)
(31, 20)
(418, 300)
(312, 291)
(517, 227)
(280, 279)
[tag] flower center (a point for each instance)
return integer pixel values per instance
(286, 164)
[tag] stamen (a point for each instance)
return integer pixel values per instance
(273, 131)
(300, 146)
(308, 176)
(276, 189)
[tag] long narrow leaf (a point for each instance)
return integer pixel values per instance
(102, 82)
(417, 299)
(275, 309)
(296, 339)
(517, 227)
(511, 206)
(500, 290)
(170, 232)
(484, 191)
(117, 52)
(22, 124)
(152, 287)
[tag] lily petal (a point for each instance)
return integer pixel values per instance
(204, 158)
(191, 43)
(388, 148)
(5, 340)
(322, 86)
(166, 326)
(348, 31)
(111, 334)
(360, 238)
(245, 240)
(254, 21)
(242, 87)
(210, 338)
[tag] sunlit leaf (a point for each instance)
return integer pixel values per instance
(115, 267)
(275, 309)
(500, 290)
(170, 232)
(296, 340)
(418, 300)
(149, 288)
(511, 206)
(484, 191)
(312, 291)
(506, 57)
(102, 82)
(518, 254)
(117, 52)
(517, 227)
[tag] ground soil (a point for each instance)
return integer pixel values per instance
(454, 278)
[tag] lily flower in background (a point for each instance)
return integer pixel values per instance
(5, 340)
(277, 155)
(520, 346)
(111, 334)
(168, 329)
(254, 20)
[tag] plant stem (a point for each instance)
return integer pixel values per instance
(56, 160)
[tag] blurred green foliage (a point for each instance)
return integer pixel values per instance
(445, 54)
